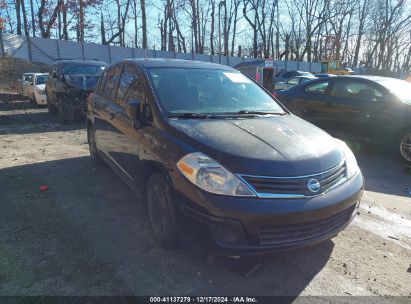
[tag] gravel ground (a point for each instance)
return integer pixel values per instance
(88, 235)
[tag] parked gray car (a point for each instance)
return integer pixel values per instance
(282, 76)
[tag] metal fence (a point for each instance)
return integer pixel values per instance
(48, 50)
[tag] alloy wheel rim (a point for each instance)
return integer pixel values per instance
(405, 147)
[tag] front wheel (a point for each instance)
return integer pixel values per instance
(404, 145)
(65, 112)
(161, 213)
(93, 146)
(50, 108)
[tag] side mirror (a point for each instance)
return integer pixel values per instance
(134, 113)
(54, 74)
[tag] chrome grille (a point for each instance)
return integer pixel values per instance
(282, 234)
(294, 187)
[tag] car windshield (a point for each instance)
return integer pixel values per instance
(41, 79)
(208, 91)
(400, 88)
(83, 69)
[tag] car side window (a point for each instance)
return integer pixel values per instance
(288, 75)
(136, 91)
(128, 75)
(292, 81)
(356, 90)
(100, 83)
(110, 85)
(319, 88)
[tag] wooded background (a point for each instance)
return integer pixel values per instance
(368, 33)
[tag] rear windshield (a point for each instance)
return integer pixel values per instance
(82, 69)
(400, 88)
(209, 91)
(41, 79)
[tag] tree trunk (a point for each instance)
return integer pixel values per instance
(25, 24)
(33, 23)
(144, 22)
(18, 17)
(212, 28)
(63, 9)
(135, 24)
(102, 30)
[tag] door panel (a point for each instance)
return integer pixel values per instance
(104, 113)
(126, 153)
(364, 111)
(313, 105)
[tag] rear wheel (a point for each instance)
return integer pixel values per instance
(65, 112)
(404, 145)
(161, 211)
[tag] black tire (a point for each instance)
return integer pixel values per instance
(161, 213)
(403, 145)
(65, 111)
(92, 146)
(50, 107)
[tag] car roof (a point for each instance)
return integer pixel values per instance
(176, 63)
(39, 74)
(91, 62)
(369, 77)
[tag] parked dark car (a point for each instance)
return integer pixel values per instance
(363, 108)
(69, 84)
(216, 157)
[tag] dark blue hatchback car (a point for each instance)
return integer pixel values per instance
(215, 156)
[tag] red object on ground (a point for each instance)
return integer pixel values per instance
(44, 188)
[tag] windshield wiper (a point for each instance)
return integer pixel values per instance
(258, 112)
(189, 115)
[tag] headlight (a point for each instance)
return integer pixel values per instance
(210, 176)
(350, 161)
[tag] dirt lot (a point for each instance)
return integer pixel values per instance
(87, 235)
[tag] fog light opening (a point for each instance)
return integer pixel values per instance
(228, 233)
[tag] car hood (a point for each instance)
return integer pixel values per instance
(83, 82)
(40, 86)
(272, 146)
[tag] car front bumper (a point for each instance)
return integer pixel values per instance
(41, 99)
(242, 226)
